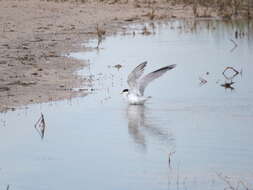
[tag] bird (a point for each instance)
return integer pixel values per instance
(137, 85)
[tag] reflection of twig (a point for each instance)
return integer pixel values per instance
(170, 154)
(8, 187)
(235, 45)
(227, 180)
(178, 177)
(243, 184)
(3, 122)
(228, 85)
(233, 42)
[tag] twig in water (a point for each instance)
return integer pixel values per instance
(235, 45)
(145, 31)
(230, 77)
(40, 126)
(202, 81)
(232, 68)
(100, 34)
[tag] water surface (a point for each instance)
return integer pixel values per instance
(187, 135)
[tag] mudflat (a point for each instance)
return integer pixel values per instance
(36, 36)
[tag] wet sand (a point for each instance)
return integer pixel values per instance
(35, 35)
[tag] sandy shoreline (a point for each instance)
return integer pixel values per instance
(35, 35)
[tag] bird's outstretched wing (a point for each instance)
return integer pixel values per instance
(135, 75)
(152, 76)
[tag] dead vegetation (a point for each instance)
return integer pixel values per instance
(229, 74)
(226, 9)
(145, 31)
(100, 34)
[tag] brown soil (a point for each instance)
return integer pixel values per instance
(34, 36)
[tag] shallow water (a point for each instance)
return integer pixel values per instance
(185, 136)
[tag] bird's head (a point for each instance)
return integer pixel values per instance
(125, 92)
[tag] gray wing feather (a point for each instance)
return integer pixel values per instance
(152, 76)
(135, 75)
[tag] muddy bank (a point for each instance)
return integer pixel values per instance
(34, 36)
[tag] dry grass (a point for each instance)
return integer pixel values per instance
(226, 9)
(145, 31)
(100, 34)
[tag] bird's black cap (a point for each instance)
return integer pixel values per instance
(125, 90)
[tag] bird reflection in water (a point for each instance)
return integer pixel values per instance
(141, 128)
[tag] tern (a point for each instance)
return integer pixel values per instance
(135, 94)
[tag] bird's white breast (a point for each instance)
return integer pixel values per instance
(134, 99)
